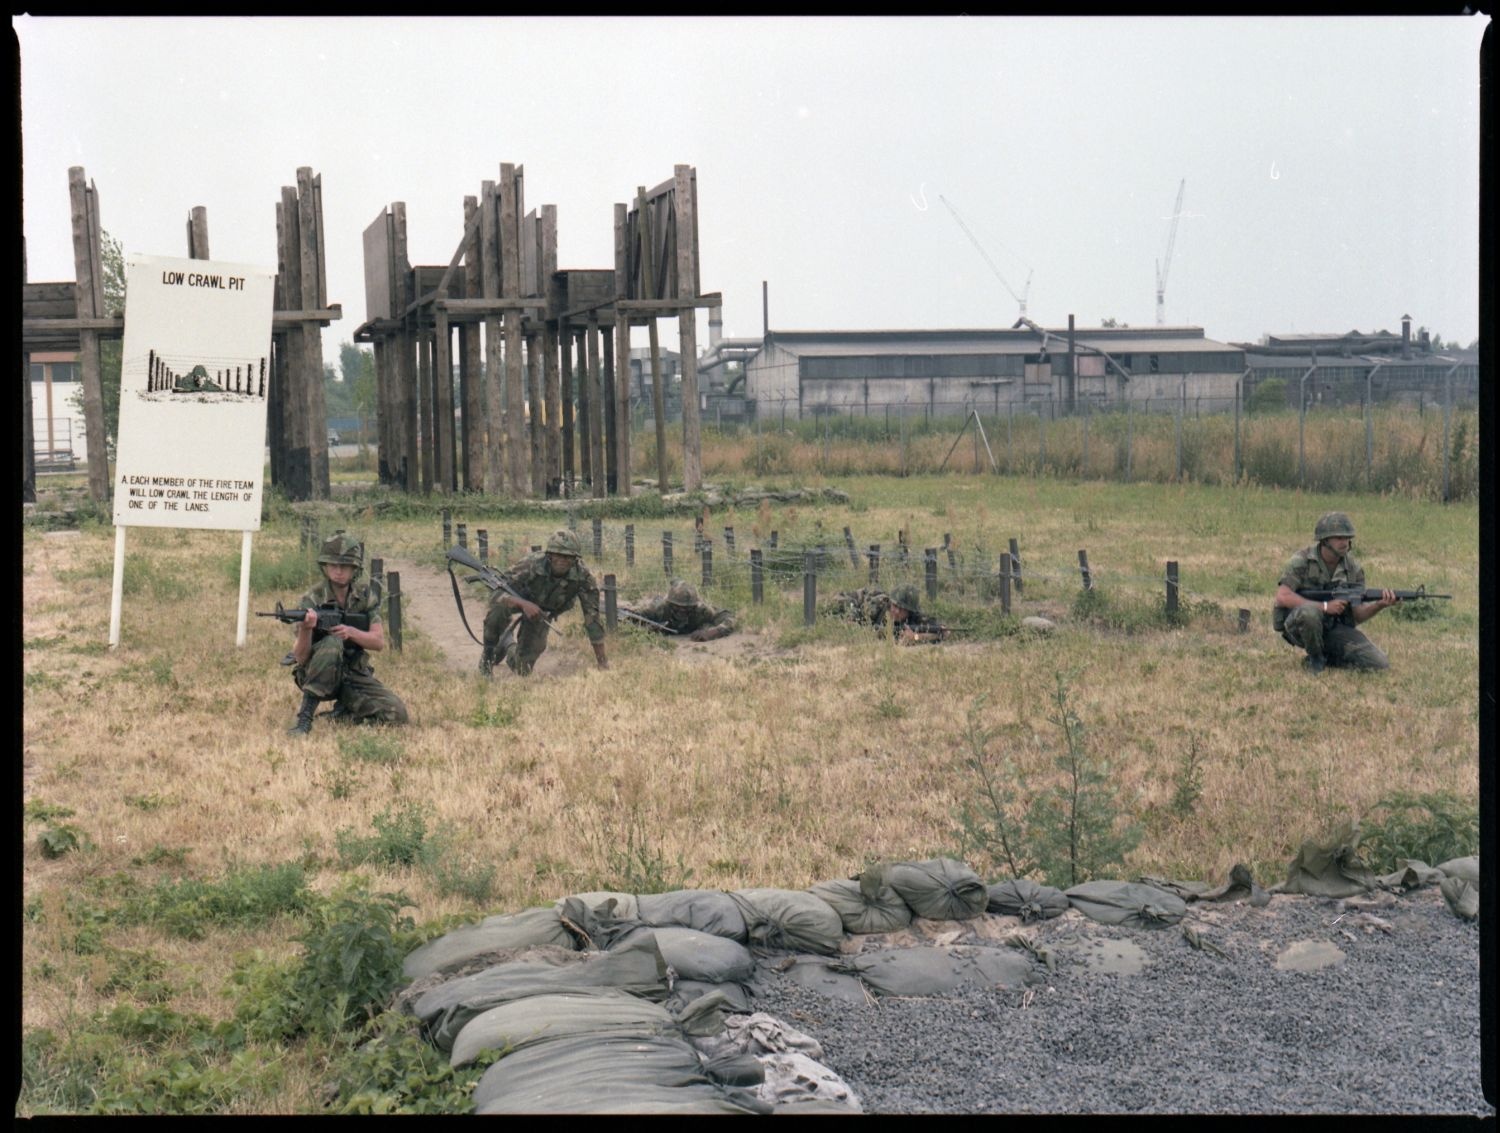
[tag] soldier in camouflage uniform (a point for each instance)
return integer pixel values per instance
(550, 580)
(334, 665)
(682, 611)
(1326, 630)
(902, 608)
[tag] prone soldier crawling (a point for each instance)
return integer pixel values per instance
(681, 611)
(902, 608)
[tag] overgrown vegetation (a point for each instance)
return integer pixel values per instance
(1432, 827)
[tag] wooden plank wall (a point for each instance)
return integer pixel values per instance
(88, 272)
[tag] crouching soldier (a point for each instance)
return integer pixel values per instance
(333, 664)
(548, 581)
(681, 611)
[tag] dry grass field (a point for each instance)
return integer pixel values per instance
(797, 755)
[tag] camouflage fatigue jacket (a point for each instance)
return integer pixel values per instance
(1306, 570)
(684, 619)
(364, 598)
(867, 606)
(532, 578)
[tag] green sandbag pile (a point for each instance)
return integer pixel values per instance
(527, 929)
(940, 889)
(789, 920)
(1127, 903)
(1027, 900)
(936, 971)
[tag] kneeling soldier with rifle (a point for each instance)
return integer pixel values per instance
(340, 622)
(1321, 599)
(539, 587)
(681, 611)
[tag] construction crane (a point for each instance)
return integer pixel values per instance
(1021, 299)
(1164, 264)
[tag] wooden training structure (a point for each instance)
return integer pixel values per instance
(72, 315)
(542, 406)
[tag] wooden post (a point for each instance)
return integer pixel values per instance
(611, 615)
(583, 381)
(551, 377)
(666, 553)
(607, 401)
(685, 195)
(426, 419)
(1015, 565)
(484, 545)
(948, 546)
(393, 611)
(442, 404)
(463, 536)
(630, 544)
(494, 409)
(874, 554)
(518, 456)
(447, 527)
(853, 554)
(534, 413)
(310, 248)
(598, 537)
(197, 233)
(658, 394)
(757, 577)
(377, 569)
(1083, 569)
(1171, 587)
(405, 350)
(622, 362)
(930, 567)
(809, 589)
(708, 564)
(470, 359)
(1244, 620)
(729, 541)
(88, 272)
(598, 474)
(1005, 568)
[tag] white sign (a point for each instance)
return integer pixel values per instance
(195, 370)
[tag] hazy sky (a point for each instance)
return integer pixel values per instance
(1331, 165)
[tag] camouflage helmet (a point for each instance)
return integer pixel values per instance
(907, 598)
(681, 593)
(1333, 524)
(564, 542)
(341, 549)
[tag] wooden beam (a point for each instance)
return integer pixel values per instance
(518, 455)
(470, 359)
(84, 204)
(197, 234)
(658, 395)
(622, 363)
(489, 259)
(310, 252)
(712, 299)
(687, 328)
(408, 469)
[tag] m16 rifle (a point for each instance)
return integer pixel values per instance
(1354, 595)
(328, 617)
(626, 612)
(489, 577)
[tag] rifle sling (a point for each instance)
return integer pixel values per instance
(459, 599)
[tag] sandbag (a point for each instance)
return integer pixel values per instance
(1328, 867)
(595, 926)
(1026, 899)
(625, 905)
(614, 1073)
(861, 910)
(637, 968)
(525, 929)
(706, 910)
(1466, 868)
(1127, 903)
(936, 971)
(1413, 874)
(789, 920)
(1462, 897)
(684, 992)
(543, 1018)
(1240, 886)
(940, 889)
(695, 955)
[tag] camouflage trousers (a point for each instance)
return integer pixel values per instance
(1307, 627)
(361, 698)
(519, 641)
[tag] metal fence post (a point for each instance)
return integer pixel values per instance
(809, 589)
(393, 610)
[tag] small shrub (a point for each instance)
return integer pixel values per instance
(502, 715)
(249, 896)
(372, 748)
(398, 1071)
(1187, 783)
(55, 841)
(398, 840)
(351, 961)
(1431, 828)
(989, 822)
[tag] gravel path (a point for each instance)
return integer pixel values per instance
(1393, 1027)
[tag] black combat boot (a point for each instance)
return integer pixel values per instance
(304, 715)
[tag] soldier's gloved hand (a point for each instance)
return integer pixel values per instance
(700, 635)
(530, 610)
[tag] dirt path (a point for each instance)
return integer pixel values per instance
(427, 603)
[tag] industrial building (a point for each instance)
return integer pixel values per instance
(950, 372)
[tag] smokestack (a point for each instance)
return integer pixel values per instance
(1406, 336)
(715, 326)
(765, 308)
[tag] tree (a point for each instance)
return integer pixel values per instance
(1111, 323)
(357, 370)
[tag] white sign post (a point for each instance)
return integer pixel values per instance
(195, 371)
